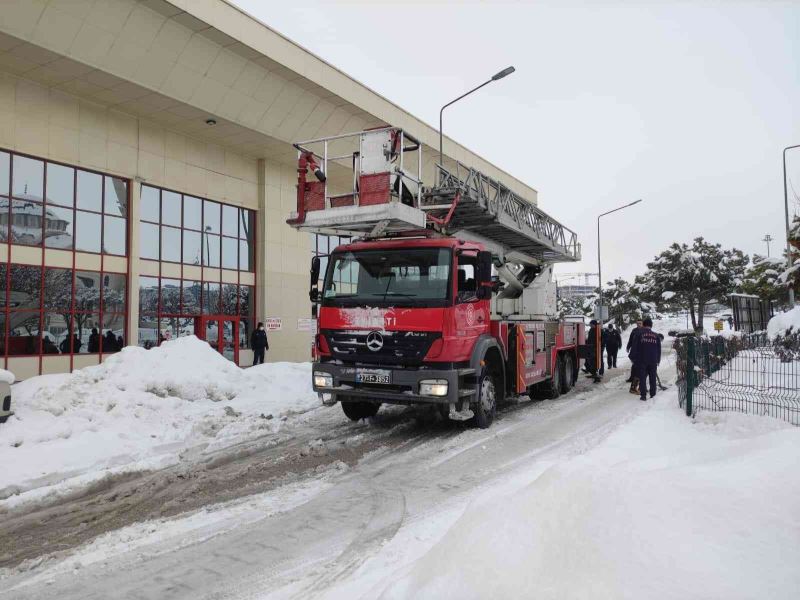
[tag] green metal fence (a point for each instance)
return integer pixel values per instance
(749, 374)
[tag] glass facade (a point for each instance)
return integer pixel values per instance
(61, 207)
(170, 308)
(47, 310)
(180, 228)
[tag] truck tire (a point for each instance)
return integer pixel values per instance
(356, 410)
(553, 386)
(576, 371)
(568, 373)
(485, 406)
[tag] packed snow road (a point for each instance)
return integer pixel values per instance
(300, 513)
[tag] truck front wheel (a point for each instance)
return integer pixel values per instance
(485, 406)
(355, 410)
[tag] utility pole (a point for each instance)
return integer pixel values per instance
(786, 209)
(767, 238)
(599, 268)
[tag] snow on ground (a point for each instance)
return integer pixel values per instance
(784, 323)
(140, 409)
(156, 537)
(665, 507)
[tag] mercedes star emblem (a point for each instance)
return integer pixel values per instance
(374, 340)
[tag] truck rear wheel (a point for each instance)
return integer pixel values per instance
(357, 410)
(568, 374)
(485, 406)
(553, 387)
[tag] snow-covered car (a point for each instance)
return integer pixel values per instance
(6, 379)
(5, 406)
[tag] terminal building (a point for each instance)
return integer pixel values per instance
(147, 171)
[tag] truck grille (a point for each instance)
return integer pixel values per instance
(398, 347)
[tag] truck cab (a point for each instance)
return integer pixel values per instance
(404, 321)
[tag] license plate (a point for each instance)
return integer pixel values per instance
(379, 376)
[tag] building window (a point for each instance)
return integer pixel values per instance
(184, 229)
(61, 207)
(51, 310)
(171, 308)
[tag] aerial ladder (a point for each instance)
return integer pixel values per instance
(369, 186)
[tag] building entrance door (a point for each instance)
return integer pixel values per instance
(222, 334)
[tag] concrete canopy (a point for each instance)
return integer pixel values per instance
(182, 62)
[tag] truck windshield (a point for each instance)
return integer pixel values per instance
(407, 277)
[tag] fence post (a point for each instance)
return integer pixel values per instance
(690, 341)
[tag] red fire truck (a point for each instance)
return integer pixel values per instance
(445, 294)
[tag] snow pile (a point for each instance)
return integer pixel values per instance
(664, 508)
(7, 376)
(141, 409)
(784, 323)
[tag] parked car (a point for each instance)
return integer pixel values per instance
(6, 379)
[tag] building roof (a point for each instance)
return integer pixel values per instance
(181, 62)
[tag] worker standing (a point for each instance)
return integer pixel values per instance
(259, 344)
(633, 379)
(646, 353)
(613, 342)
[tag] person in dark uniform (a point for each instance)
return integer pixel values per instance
(613, 342)
(633, 379)
(94, 341)
(259, 344)
(590, 363)
(646, 353)
(110, 342)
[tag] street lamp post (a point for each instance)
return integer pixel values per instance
(599, 269)
(788, 228)
(495, 77)
(767, 238)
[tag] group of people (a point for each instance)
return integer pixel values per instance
(610, 343)
(644, 351)
(111, 343)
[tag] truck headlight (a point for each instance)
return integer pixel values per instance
(433, 387)
(323, 380)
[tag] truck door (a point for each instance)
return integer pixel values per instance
(471, 313)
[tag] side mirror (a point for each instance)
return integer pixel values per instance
(314, 271)
(313, 293)
(484, 270)
(484, 292)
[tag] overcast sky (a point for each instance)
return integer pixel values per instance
(686, 105)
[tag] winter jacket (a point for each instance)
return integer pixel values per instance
(632, 338)
(591, 343)
(613, 340)
(258, 340)
(646, 349)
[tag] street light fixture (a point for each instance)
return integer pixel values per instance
(505, 72)
(767, 238)
(788, 228)
(599, 270)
